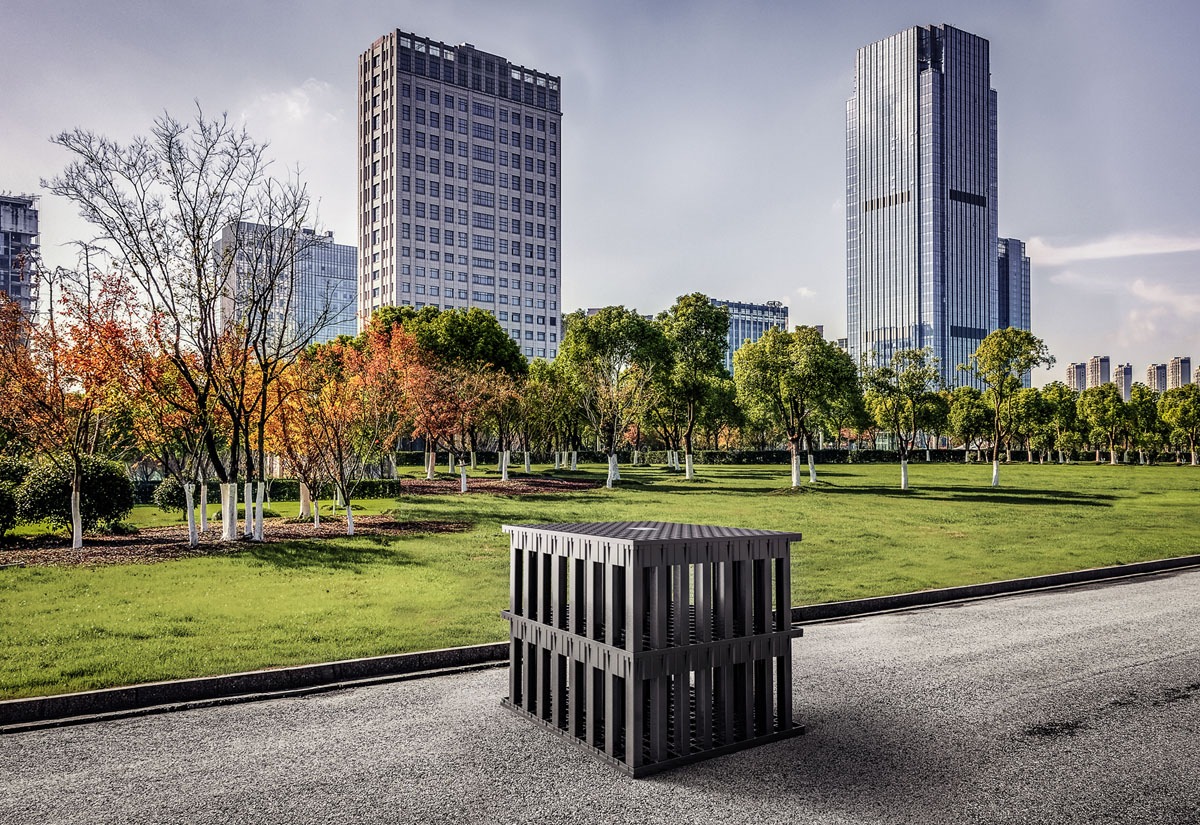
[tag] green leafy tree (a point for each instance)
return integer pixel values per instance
(901, 396)
(999, 363)
(1063, 419)
(1103, 410)
(970, 418)
(1145, 428)
(794, 379)
(1029, 415)
(471, 338)
(106, 493)
(612, 357)
(1179, 409)
(696, 333)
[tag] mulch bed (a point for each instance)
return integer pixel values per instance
(155, 544)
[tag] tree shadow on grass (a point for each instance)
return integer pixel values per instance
(988, 495)
(351, 553)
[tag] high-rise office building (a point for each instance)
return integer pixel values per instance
(1012, 284)
(1156, 377)
(1123, 377)
(458, 183)
(1098, 371)
(18, 250)
(314, 297)
(1077, 376)
(748, 322)
(1179, 372)
(921, 238)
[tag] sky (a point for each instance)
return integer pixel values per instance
(703, 144)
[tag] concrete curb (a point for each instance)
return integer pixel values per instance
(157, 697)
(830, 611)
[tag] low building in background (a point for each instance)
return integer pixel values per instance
(18, 250)
(316, 294)
(748, 323)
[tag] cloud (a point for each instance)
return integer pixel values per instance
(313, 100)
(805, 292)
(1179, 303)
(1045, 253)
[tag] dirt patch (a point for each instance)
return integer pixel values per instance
(515, 486)
(155, 544)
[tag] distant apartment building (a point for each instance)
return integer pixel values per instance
(458, 185)
(18, 250)
(1077, 376)
(748, 323)
(1123, 377)
(1179, 372)
(1156, 377)
(1098, 371)
(317, 280)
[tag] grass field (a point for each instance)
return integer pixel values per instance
(75, 628)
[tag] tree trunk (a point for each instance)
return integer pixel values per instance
(248, 518)
(462, 486)
(258, 510)
(430, 465)
(203, 507)
(996, 472)
(904, 474)
(574, 459)
(613, 474)
(229, 511)
(528, 471)
(557, 462)
(316, 513)
(349, 518)
(472, 459)
(812, 466)
(190, 505)
(305, 501)
(504, 465)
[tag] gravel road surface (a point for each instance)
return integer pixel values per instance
(1072, 706)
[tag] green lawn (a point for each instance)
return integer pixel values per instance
(67, 629)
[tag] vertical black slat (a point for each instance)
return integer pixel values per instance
(559, 691)
(763, 721)
(614, 625)
(532, 660)
(545, 669)
(558, 582)
(531, 585)
(578, 596)
(578, 699)
(516, 579)
(783, 692)
(516, 670)
(704, 708)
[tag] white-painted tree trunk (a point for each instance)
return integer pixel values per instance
(338, 501)
(430, 465)
(76, 521)
(462, 486)
(305, 501)
(690, 471)
(928, 458)
(473, 459)
(260, 494)
(612, 470)
(349, 520)
(203, 507)
(1141, 457)
(316, 512)
(1060, 456)
(903, 474)
(1193, 458)
(574, 459)
(228, 512)
(637, 458)
(528, 471)
(450, 462)
(248, 517)
(557, 461)
(812, 469)
(190, 505)
(504, 465)
(996, 473)
(795, 469)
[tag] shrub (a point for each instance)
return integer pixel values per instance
(13, 470)
(106, 493)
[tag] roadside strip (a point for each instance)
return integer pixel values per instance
(162, 697)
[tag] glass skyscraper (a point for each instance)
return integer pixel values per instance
(459, 185)
(921, 229)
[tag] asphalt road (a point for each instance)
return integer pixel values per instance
(1079, 705)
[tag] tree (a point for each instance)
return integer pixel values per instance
(794, 379)
(1063, 419)
(56, 376)
(999, 363)
(970, 417)
(160, 205)
(1028, 416)
(1179, 409)
(611, 357)
(1103, 410)
(1144, 425)
(696, 333)
(900, 398)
